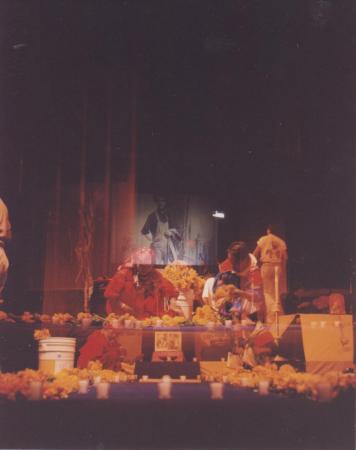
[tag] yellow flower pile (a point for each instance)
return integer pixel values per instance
(84, 315)
(285, 379)
(41, 334)
(203, 315)
(165, 321)
(27, 317)
(183, 277)
(61, 318)
(62, 384)
(44, 318)
(3, 315)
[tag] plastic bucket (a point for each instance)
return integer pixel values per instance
(55, 354)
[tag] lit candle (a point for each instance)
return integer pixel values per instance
(164, 389)
(83, 386)
(216, 390)
(263, 387)
(102, 390)
(324, 391)
(35, 390)
(97, 380)
(244, 381)
(117, 378)
(115, 323)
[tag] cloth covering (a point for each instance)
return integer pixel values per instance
(328, 342)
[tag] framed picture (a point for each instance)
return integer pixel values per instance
(168, 341)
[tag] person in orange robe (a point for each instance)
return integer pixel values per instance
(139, 289)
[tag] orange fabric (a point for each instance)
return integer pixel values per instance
(99, 347)
(225, 266)
(145, 300)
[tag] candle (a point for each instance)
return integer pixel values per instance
(216, 390)
(83, 386)
(324, 391)
(183, 378)
(117, 378)
(244, 381)
(263, 387)
(97, 380)
(35, 390)
(102, 390)
(144, 377)
(164, 389)
(115, 323)
(128, 323)
(228, 323)
(86, 322)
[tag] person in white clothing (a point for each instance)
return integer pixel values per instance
(208, 292)
(5, 236)
(271, 251)
(162, 234)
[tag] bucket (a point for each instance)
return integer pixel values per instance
(55, 354)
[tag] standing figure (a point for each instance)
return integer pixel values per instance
(5, 236)
(271, 251)
(161, 233)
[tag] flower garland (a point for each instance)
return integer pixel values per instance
(61, 385)
(284, 380)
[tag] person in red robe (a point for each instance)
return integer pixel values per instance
(139, 288)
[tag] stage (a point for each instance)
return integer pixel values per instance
(134, 417)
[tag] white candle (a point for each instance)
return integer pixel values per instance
(35, 390)
(183, 378)
(117, 378)
(115, 323)
(324, 391)
(102, 390)
(86, 322)
(128, 323)
(97, 380)
(263, 387)
(216, 390)
(164, 390)
(228, 323)
(83, 386)
(244, 381)
(144, 377)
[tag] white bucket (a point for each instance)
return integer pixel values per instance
(56, 353)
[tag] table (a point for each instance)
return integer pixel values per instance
(134, 417)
